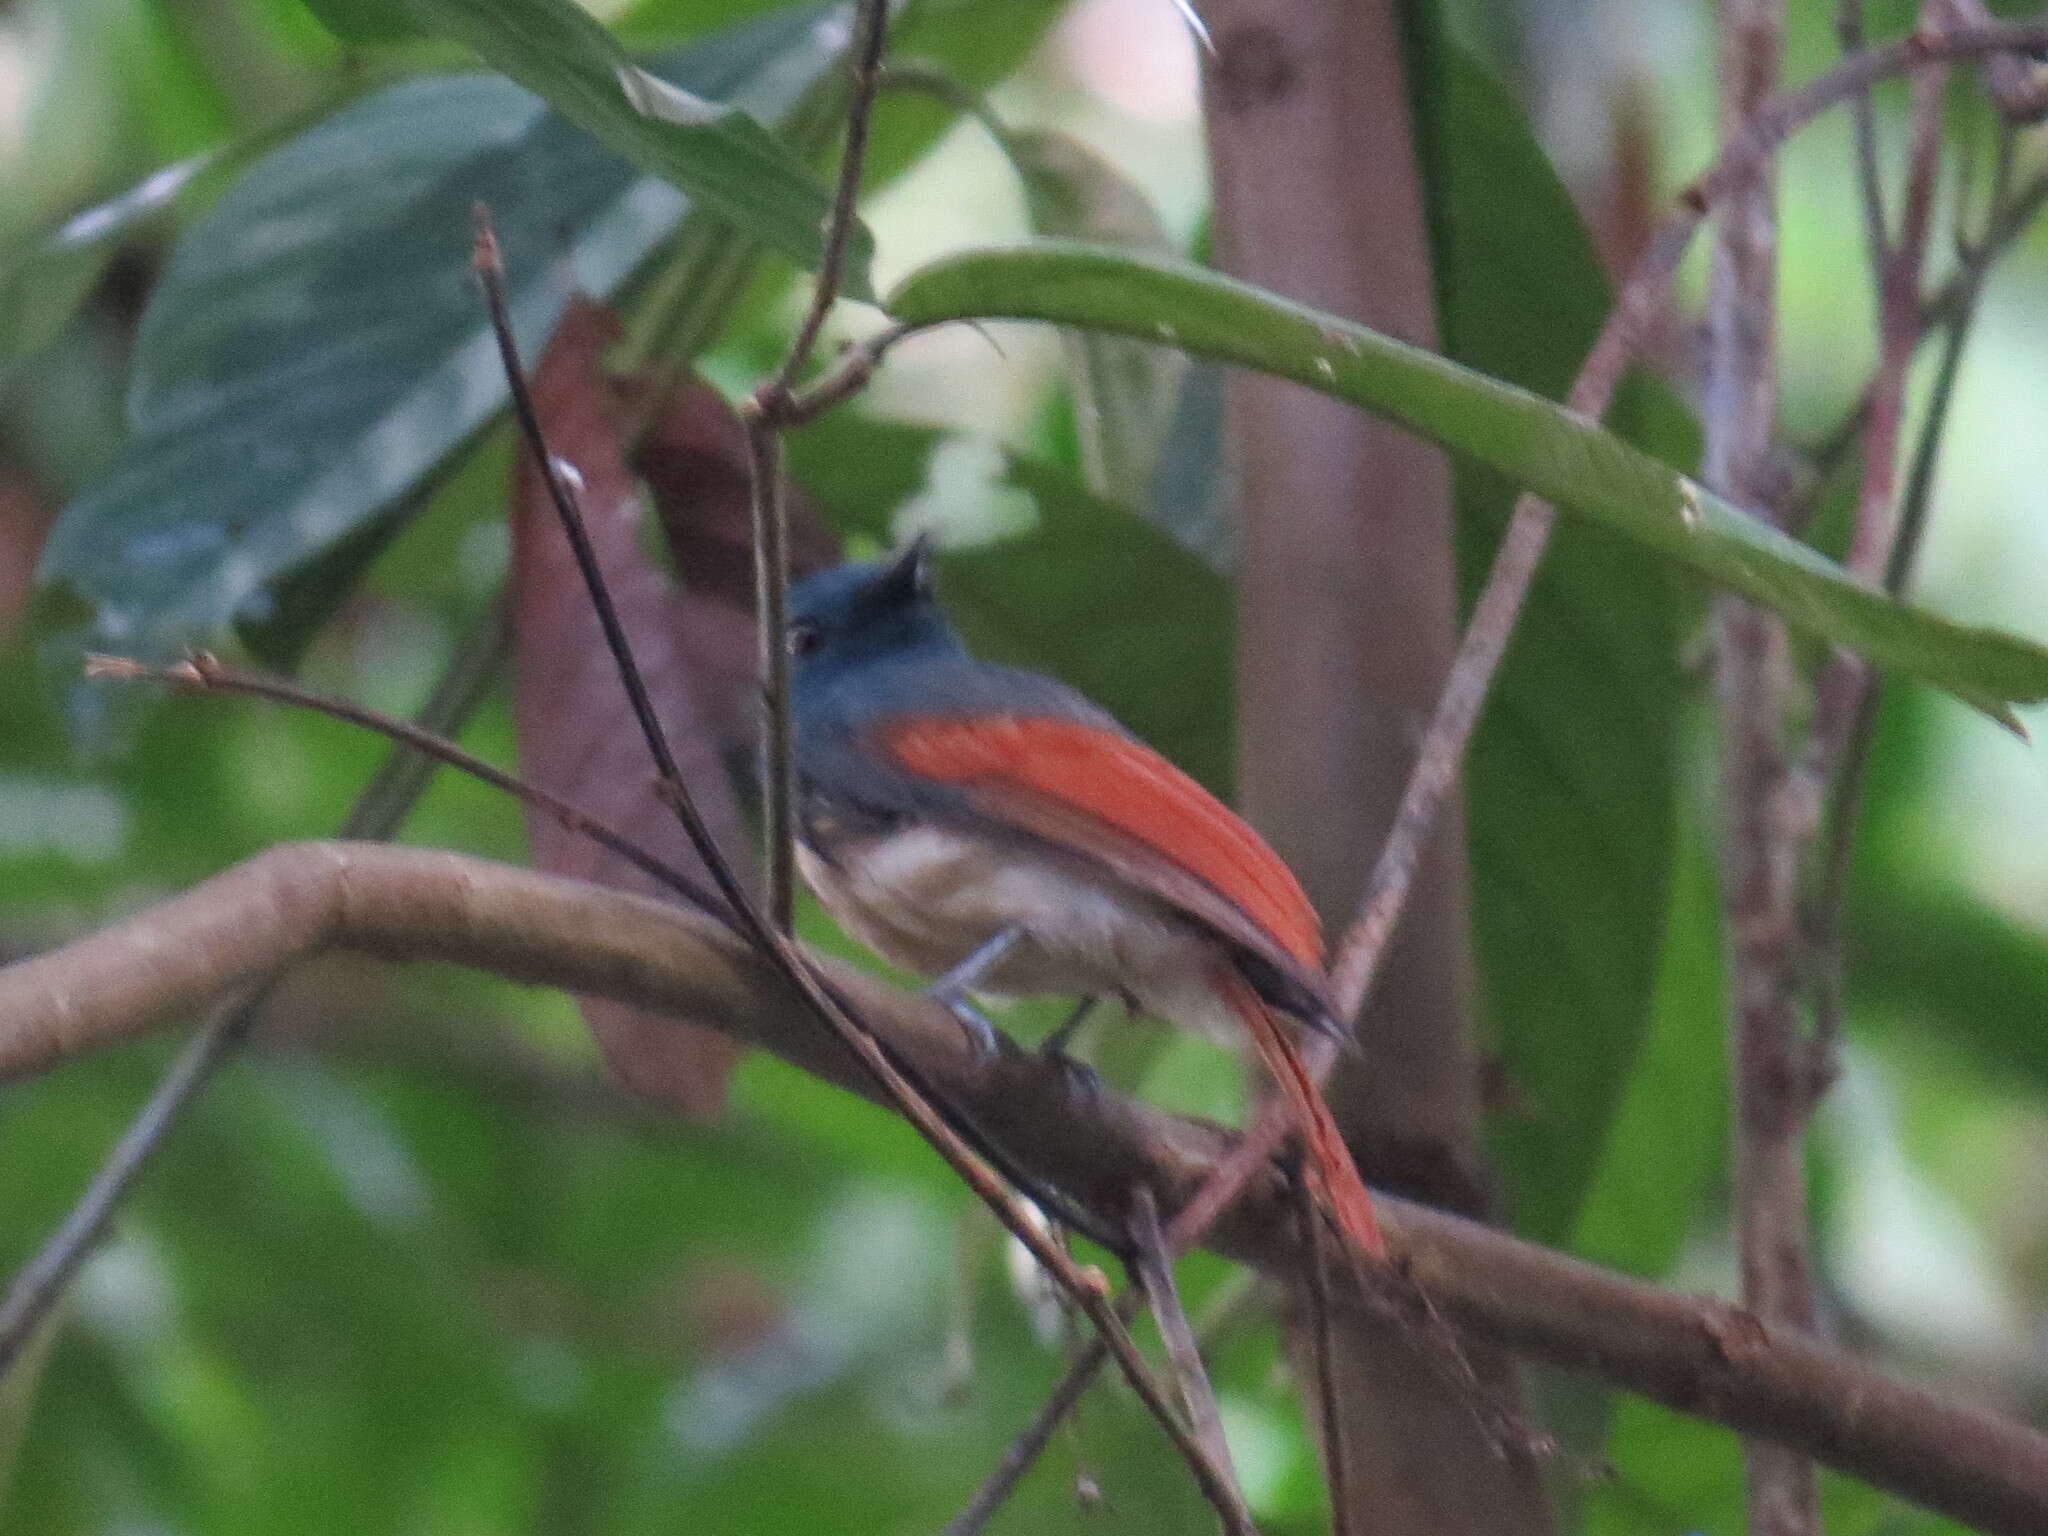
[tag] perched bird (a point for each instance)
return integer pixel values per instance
(993, 828)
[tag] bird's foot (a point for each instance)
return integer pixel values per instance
(981, 1035)
(953, 988)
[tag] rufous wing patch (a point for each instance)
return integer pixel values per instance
(1054, 775)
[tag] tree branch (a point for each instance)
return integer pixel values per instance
(1694, 1355)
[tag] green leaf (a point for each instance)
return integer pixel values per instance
(317, 347)
(681, 132)
(366, 21)
(1564, 458)
(1569, 784)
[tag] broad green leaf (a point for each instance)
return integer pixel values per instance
(1569, 784)
(317, 346)
(682, 132)
(1566, 459)
(1943, 959)
(1664, 1141)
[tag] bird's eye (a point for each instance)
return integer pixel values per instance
(803, 639)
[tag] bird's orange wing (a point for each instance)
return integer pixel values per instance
(1088, 788)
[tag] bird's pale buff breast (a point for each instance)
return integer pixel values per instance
(927, 897)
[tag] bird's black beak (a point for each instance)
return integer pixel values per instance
(908, 577)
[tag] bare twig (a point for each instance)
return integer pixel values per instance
(766, 413)
(2020, 98)
(1869, 186)
(1152, 1265)
(771, 605)
(870, 40)
(490, 272)
(1899, 331)
(1842, 734)
(2012, 213)
(1698, 1356)
(206, 673)
(1225, 1183)
(1321, 1344)
(1031, 1441)
(378, 812)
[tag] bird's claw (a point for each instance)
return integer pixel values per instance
(1077, 1079)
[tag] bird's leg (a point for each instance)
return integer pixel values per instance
(1056, 1043)
(953, 987)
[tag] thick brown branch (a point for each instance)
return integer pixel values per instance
(1697, 1356)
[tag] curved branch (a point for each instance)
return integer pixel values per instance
(1697, 1356)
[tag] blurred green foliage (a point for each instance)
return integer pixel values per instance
(413, 1266)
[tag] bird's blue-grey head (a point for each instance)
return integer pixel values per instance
(853, 619)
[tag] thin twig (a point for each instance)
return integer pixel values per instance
(2019, 97)
(1869, 186)
(206, 673)
(771, 604)
(2011, 215)
(765, 414)
(1031, 1441)
(1899, 332)
(1323, 1348)
(1228, 1179)
(379, 810)
(1152, 1266)
(1844, 775)
(870, 40)
(490, 271)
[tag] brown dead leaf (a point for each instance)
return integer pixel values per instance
(694, 644)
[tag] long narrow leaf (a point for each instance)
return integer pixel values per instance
(1563, 457)
(715, 152)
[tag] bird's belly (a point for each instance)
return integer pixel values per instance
(926, 898)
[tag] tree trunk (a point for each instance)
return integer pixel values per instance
(1346, 623)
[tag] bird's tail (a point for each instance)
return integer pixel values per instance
(1327, 1155)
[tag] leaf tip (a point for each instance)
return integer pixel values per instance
(651, 96)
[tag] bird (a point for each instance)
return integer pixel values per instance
(993, 828)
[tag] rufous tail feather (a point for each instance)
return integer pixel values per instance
(1330, 1159)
